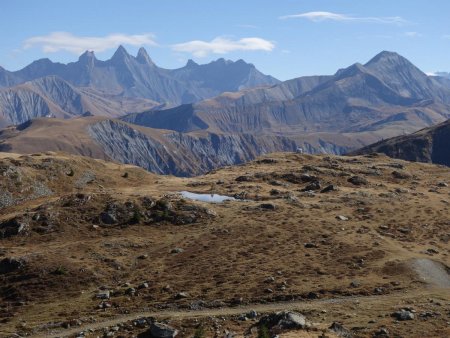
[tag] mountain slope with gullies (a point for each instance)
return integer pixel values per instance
(157, 150)
(346, 246)
(51, 96)
(360, 98)
(139, 77)
(431, 145)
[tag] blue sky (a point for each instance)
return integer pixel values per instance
(284, 38)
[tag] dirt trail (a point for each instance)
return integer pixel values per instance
(226, 311)
(433, 273)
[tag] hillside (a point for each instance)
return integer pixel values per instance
(159, 151)
(53, 97)
(356, 245)
(427, 145)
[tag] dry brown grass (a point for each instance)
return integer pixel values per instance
(228, 257)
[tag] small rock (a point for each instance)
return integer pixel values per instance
(176, 251)
(402, 175)
(328, 188)
(342, 218)
(403, 315)
(181, 295)
(357, 180)
(143, 285)
(108, 218)
(130, 291)
(315, 185)
(267, 206)
(103, 294)
(382, 332)
(340, 330)
(355, 284)
(252, 314)
(310, 245)
(140, 322)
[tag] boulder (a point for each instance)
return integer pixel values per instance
(403, 315)
(340, 330)
(328, 188)
(267, 206)
(357, 180)
(402, 175)
(13, 227)
(9, 264)
(284, 320)
(108, 217)
(181, 295)
(160, 330)
(315, 185)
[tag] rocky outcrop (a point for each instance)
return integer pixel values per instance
(427, 145)
(182, 154)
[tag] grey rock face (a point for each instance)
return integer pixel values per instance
(427, 145)
(188, 154)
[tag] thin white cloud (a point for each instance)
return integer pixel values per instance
(64, 41)
(329, 16)
(413, 34)
(247, 26)
(222, 45)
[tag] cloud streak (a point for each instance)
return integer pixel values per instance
(222, 45)
(64, 41)
(330, 16)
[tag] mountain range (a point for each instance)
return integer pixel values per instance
(360, 98)
(357, 106)
(116, 86)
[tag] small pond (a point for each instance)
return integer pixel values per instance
(211, 198)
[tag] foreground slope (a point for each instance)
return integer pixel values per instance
(430, 145)
(340, 239)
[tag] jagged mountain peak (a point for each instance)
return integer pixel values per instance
(191, 63)
(354, 69)
(88, 58)
(120, 54)
(386, 58)
(143, 57)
